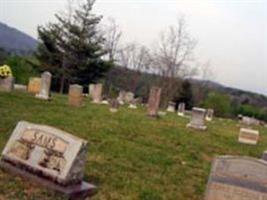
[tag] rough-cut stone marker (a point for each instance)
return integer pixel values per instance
(34, 85)
(248, 136)
(154, 101)
(48, 155)
(181, 109)
(7, 84)
(97, 93)
(209, 114)
(198, 119)
(45, 86)
(171, 107)
(237, 178)
(76, 95)
(114, 105)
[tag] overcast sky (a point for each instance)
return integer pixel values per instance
(231, 34)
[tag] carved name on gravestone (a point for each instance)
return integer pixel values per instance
(34, 85)
(75, 95)
(44, 92)
(248, 136)
(154, 101)
(97, 93)
(209, 114)
(198, 119)
(7, 84)
(181, 109)
(171, 107)
(237, 178)
(46, 154)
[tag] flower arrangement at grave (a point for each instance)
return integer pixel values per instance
(5, 71)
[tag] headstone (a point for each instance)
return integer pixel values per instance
(76, 95)
(132, 106)
(154, 101)
(171, 107)
(114, 105)
(48, 155)
(248, 136)
(181, 109)
(91, 89)
(20, 87)
(121, 97)
(209, 114)
(237, 178)
(249, 121)
(264, 156)
(7, 84)
(198, 119)
(97, 93)
(45, 86)
(34, 85)
(129, 96)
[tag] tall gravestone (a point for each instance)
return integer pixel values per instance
(237, 178)
(209, 114)
(91, 89)
(97, 93)
(154, 101)
(52, 157)
(76, 95)
(198, 119)
(171, 107)
(45, 86)
(7, 84)
(34, 85)
(181, 109)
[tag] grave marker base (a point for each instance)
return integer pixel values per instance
(73, 192)
(198, 127)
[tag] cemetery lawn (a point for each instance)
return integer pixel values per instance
(130, 155)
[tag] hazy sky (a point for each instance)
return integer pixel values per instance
(231, 34)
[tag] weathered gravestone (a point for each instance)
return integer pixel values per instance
(237, 178)
(209, 114)
(7, 84)
(91, 89)
(171, 107)
(181, 109)
(34, 85)
(248, 136)
(154, 101)
(49, 156)
(198, 119)
(76, 95)
(20, 87)
(45, 86)
(114, 105)
(249, 121)
(129, 97)
(121, 97)
(97, 93)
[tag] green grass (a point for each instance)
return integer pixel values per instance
(130, 155)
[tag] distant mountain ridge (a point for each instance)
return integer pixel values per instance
(15, 41)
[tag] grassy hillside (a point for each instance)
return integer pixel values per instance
(130, 155)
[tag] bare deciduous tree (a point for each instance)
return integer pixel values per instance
(172, 58)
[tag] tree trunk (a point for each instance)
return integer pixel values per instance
(62, 84)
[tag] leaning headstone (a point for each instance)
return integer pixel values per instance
(76, 95)
(114, 105)
(181, 109)
(52, 157)
(237, 178)
(34, 85)
(248, 136)
(45, 86)
(171, 107)
(209, 114)
(97, 93)
(7, 84)
(154, 101)
(198, 119)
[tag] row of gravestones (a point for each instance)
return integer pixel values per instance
(56, 159)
